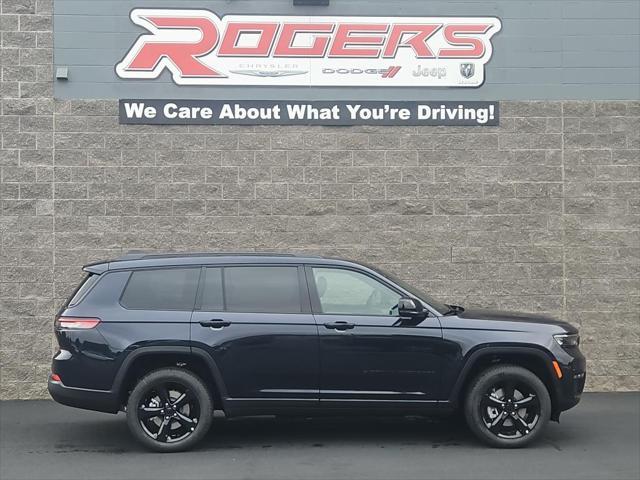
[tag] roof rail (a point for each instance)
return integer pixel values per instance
(136, 255)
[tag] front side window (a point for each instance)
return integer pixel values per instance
(345, 292)
(262, 289)
(161, 289)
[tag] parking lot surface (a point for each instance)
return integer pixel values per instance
(599, 439)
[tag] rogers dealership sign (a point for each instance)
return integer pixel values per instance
(200, 48)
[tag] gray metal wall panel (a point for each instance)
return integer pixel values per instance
(547, 49)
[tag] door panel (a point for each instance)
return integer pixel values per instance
(378, 359)
(262, 355)
(372, 355)
(268, 351)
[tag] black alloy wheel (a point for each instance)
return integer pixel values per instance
(169, 410)
(510, 410)
(507, 406)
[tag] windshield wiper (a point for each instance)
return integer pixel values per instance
(453, 309)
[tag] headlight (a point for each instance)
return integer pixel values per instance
(567, 339)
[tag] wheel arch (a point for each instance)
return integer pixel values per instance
(531, 357)
(145, 359)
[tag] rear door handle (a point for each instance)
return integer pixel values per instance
(215, 323)
(340, 325)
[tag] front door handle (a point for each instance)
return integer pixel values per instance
(340, 325)
(215, 323)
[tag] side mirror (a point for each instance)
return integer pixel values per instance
(410, 308)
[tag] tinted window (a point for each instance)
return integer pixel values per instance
(86, 285)
(422, 295)
(345, 292)
(164, 289)
(212, 290)
(262, 289)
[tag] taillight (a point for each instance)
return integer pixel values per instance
(55, 378)
(76, 323)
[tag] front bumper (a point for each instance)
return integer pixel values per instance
(571, 386)
(97, 400)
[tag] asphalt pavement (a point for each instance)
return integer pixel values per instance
(599, 439)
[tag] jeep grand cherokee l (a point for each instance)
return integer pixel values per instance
(168, 338)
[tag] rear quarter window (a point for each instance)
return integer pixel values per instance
(161, 289)
(88, 282)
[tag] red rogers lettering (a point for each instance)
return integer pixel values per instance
(199, 48)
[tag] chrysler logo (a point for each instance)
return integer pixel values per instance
(269, 73)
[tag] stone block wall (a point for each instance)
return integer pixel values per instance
(540, 214)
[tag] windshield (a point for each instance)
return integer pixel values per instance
(438, 305)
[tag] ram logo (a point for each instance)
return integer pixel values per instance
(467, 70)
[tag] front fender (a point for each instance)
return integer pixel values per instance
(484, 353)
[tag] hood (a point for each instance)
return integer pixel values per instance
(497, 315)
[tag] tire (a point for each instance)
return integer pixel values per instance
(179, 423)
(490, 414)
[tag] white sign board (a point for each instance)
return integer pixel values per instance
(200, 48)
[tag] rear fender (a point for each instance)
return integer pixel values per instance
(120, 377)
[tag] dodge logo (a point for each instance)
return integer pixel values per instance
(389, 72)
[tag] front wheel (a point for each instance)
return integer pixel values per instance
(169, 410)
(507, 406)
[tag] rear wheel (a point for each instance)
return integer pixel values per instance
(169, 410)
(507, 406)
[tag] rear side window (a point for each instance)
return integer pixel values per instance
(162, 289)
(212, 300)
(85, 286)
(262, 289)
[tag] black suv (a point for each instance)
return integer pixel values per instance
(170, 338)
